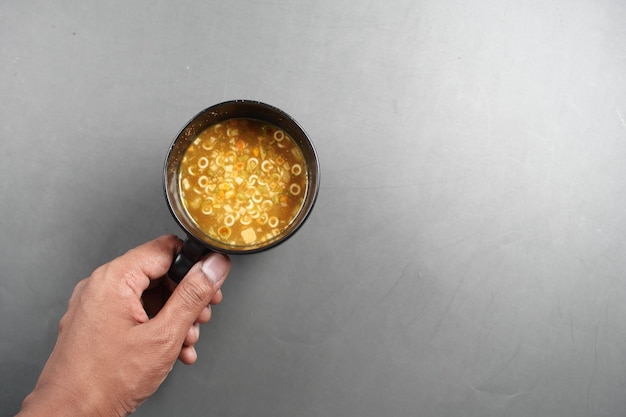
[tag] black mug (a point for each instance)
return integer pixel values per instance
(199, 242)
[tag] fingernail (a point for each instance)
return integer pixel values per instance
(215, 267)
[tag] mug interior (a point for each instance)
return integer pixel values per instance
(215, 114)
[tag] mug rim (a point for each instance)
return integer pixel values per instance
(216, 110)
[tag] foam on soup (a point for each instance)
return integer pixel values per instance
(243, 181)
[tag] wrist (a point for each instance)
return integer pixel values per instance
(57, 401)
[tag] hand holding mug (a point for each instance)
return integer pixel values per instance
(110, 355)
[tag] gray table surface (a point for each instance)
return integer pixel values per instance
(467, 253)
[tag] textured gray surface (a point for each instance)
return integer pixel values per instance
(467, 254)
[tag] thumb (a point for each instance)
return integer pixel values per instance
(194, 292)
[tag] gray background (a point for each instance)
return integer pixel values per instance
(466, 256)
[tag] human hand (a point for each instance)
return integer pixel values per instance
(110, 356)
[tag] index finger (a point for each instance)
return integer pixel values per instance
(147, 262)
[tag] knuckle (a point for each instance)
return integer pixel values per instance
(167, 337)
(63, 323)
(195, 292)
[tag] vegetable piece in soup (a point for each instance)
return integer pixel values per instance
(243, 181)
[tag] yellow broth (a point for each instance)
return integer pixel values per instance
(243, 181)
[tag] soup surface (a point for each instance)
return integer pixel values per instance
(243, 181)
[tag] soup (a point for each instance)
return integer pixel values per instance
(243, 181)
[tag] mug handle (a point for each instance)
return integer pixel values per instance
(190, 253)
